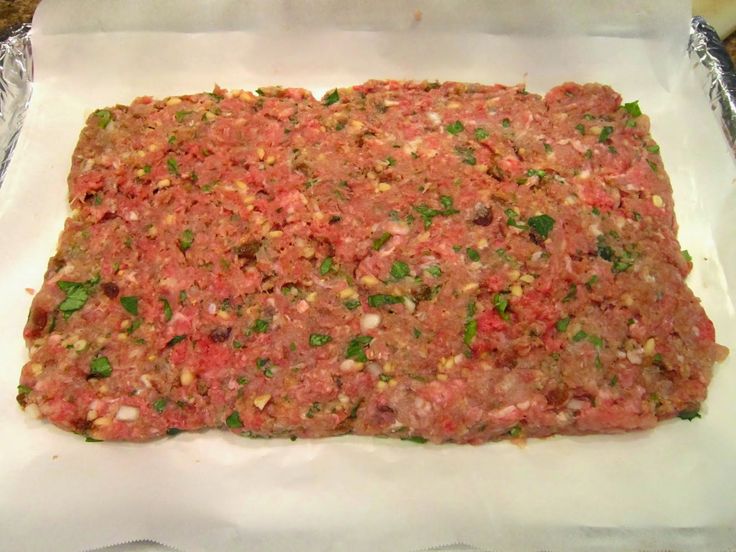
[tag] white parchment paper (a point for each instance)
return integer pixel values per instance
(670, 488)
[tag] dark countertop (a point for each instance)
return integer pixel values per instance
(13, 12)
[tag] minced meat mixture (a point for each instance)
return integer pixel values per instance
(443, 262)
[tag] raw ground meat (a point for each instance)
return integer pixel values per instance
(450, 262)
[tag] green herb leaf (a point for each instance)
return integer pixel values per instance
(455, 128)
(605, 134)
(181, 115)
(160, 404)
(592, 280)
(686, 255)
(471, 329)
(130, 304)
(325, 266)
(632, 108)
(318, 340)
(467, 154)
(511, 219)
(506, 123)
(415, 439)
(76, 297)
(168, 313)
(356, 348)
(381, 299)
(579, 336)
(434, 270)
(541, 224)
(595, 340)
(548, 148)
(536, 172)
(399, 270)
(24, 389)
(501, 303)
(260, 325)
(173, 166)
(572, 293)
(588, 154)
(653, 149)
(481, 134)
(186, 240)
(103, 117)
(515, 431)
(472, 254)
(380, 241)
(562, 324)
(580, 128)
(313, 409)
(233, 421)
(688, 415)
(652, 165)
(100, 367)
(174, 340)
(332, 97)
(352, 304)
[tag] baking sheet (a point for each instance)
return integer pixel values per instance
(667, 488)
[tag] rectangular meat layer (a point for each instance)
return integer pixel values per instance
(449, 262)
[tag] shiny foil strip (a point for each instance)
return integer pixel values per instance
(706, 48)
(16, 76)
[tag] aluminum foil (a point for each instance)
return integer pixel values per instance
(16, 76)
(706, 48)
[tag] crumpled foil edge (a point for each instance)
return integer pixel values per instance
(16, 78)
(705, 47)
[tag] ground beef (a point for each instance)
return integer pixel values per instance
(451, 262)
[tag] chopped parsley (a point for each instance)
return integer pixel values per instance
(381, 299)
(146, 169)
(414, 439)
(652, 165)
(181, 115)
(467, 154)
(536, 172)
(104, 117)
(428, 213)
(100, 367)
(390, 161)
(233, 421)
(592, 280)
(547, 148)
(686, 255)
(434, 270)
(605, 134)
(77, 294)
(356, 348)
(511, 219)
(501, 303)
(653, 149)
(541, 224)
(313, 409)
(632, 108)
(455, 128)
(331, 98)
(24, 389)
(186, 239)
(168, 313)
(588, 154)
(472, 254)
(471, 329)
(325, 266)
(399, 270)
(318, 340)
(173, 166)
(260, 325)
(481, 134)
(160, 404)
(562, 324)
(572, 293)
(130, 304)
(515, 431)
(506, 123)
(689, 415)
(581, 335)
(176, 339)
(580, 128)
(352, 304)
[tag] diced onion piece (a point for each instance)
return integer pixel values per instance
(127, 413)
(370, 321)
